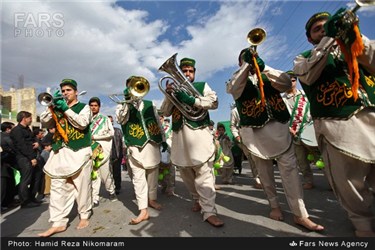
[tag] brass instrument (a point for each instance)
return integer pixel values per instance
(255, 37)
(180, 83)
(138, 88)
(46, 99)
(349, 18)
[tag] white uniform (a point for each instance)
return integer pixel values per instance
(194, 157)
(272, 141)
(347, 146)
(144, 162)
(102, 132)
(68, 163)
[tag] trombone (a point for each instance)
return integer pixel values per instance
(138, 88)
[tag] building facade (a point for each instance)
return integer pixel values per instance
(15, 100)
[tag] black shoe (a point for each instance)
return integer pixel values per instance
(35, 200)
(30, 205)
(117, 192)
(112, 197)
(96, 204)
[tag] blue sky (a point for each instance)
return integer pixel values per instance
(101, 43)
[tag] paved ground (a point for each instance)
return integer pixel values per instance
(243, 209)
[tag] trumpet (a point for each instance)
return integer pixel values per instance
(46, 99)
(350, 17)
(255, 37)
(138, 88)
(180, 83)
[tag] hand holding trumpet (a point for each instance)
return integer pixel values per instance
(59, 101)
(340, 26)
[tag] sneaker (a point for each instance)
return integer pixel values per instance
(35, 200)
(113, 197)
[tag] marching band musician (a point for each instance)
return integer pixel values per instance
(69, 164)
(265, 133)
(102, 132)
(234, 127)
(226, 170)
(299, 110)
(343, 111)
(143, 136)
(194, 159)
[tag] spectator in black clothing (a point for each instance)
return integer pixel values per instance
(48, 137)
(8, 160)
(8, 153)
(38, 134)
(38, 175)
(26, 154)
(46, 141)
(117, 154)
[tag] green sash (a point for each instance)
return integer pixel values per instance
(77, 138)
(97, 124)
(331, 96)
(178, 119)
(251, 111)
(142, 126)
(304, 117)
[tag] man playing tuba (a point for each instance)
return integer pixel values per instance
(194, 160)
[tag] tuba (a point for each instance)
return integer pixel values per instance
(180, 83)
(138, 88)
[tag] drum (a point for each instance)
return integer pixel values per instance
(307, 135)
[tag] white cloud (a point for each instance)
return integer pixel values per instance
(215, 44)
(103, 44)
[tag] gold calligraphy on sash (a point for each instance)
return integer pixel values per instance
(252, 108)
(277, 103)
(370, 81)
(153, 128)
(136, 131)
(74, 133)
(334, 94)
(176, 114)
